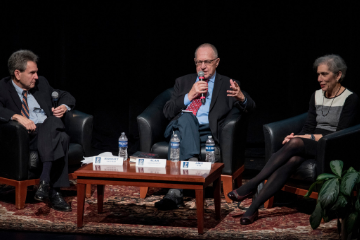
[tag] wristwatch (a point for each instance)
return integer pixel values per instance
(312, 137)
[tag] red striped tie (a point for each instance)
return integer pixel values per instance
(195, 104)
(25, 107)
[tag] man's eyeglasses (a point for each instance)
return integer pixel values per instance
(206, 62)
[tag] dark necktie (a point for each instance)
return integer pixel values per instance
(25, 106)
(195, 104)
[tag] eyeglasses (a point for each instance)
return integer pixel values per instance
(206, 62)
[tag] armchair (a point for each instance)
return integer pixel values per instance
(21, 167)
(338, 145)
(152, 124)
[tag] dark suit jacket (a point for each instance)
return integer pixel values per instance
(220, 104)
(10, 102)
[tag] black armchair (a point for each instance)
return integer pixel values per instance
(152, 124)
(21, 167)
(339, 145)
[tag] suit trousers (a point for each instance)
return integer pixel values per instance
(192, 135)
(52, 144)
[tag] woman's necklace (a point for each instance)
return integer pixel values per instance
(330, 104)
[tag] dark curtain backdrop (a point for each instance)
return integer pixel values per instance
(115, 57)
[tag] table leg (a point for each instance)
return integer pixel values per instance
(80, 204)
(217, 199)
(100, 197)
(200, 209)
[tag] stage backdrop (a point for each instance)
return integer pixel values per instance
(115, 57)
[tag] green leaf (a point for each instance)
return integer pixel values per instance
(329, 193)
(316, 216)
(350, 221)
(348, 183)
(357, 205)
(351, 170)
(325, 176)
(337, 166)
(340, 203)
(311, 189)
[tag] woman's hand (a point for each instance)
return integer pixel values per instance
(288, 138)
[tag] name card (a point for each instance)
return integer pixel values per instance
(150, 162)
(196, 172)
(155, 170)
(195, 165)
(108, 161)
(111, 168)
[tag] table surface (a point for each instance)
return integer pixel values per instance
(171, 172)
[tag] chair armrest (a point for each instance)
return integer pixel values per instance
(14, 150)
(152, 122)
(275, 132)
(233, 140)
(341, 145)
(79, 127)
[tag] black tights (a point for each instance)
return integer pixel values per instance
(277, 171)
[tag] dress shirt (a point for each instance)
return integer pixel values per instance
(203, 112)
(37, 115)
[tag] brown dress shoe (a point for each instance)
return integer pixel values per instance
(249, 220)
(233, 195)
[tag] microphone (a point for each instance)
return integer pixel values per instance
(55, 98)
(201, 78)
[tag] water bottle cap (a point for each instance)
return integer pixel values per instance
(122, 133)
(209, 136)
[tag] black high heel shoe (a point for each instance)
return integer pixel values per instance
(249, 220)
(233, 195)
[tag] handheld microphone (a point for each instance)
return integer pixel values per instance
(55, 98)
(201, 78)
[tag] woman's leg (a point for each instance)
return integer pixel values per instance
(275, 182)
(295, 147)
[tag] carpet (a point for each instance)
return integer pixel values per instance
(127, 215)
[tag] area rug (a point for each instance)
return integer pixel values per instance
(127, 215)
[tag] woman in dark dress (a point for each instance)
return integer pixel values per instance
(331, 108)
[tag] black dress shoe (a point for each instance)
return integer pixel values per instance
(233, 195)
(169, 202)
(249, 220)
(58, 203)
(43, 191)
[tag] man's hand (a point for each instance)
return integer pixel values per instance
(235, 91)
(198, 88)
(59, 111)
(27, 123)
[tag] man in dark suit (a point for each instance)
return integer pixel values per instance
(26, 98)
(201, 120)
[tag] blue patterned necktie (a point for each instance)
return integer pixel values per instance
(25, 106)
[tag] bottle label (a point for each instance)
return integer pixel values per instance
(210, 148)
(175, 144)
(123, 143)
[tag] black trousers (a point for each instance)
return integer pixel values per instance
(52, 144)
(192, 135)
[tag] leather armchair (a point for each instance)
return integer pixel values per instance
(152, 124)
(21, 167)
(338, 145)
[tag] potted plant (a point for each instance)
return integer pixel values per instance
(337, 199)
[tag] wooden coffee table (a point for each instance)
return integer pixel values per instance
(130, 175)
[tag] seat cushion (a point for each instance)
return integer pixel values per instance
(161, 148)
(76, 154)
(306, 172)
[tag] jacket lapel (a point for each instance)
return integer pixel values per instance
(216, 90)
(14, 95)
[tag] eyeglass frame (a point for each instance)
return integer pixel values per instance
(201, 62)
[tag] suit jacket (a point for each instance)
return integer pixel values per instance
(10, 102)
(220, 104)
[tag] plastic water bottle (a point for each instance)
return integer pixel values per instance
(123, 145)
(210, 150)
(174, 148)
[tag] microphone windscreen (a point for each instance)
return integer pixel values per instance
(55, 95)
(201, 74)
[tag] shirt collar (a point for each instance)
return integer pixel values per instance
(18, 89)
(212, 79)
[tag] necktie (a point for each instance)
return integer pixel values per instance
(25, 106)
(195, 104)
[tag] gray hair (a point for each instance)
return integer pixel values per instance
(208, 45)
(335, 64)
(18, 60)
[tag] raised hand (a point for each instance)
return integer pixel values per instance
(235, 91)
(198, 88)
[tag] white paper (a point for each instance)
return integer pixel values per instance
(195, 165)
(150, 162)
(108, 160)
(88, 160)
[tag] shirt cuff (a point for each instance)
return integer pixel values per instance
(244, 102)
(67, 107)
(186, 100)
